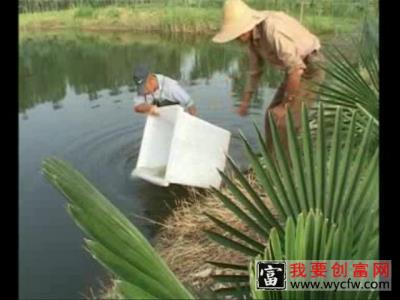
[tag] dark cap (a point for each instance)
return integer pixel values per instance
(140, 74)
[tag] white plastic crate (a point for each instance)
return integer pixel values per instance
(181, 149)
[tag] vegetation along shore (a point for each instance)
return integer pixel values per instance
(321, 18)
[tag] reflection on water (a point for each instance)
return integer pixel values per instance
(49, 63)
(75, 102)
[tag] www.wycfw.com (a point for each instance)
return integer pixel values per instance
(340, 285)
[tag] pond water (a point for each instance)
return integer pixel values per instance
(75, 102)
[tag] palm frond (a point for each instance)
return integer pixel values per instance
(114, 241)
(333, 175)
(312, 236)
(354, 84)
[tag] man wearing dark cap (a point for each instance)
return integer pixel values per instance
(156, 90)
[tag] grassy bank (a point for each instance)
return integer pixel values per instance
(157, 19)
(184, 246)
(113, 18)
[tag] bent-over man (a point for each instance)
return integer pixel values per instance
(280, 40)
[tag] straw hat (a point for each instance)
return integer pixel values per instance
(238, 19)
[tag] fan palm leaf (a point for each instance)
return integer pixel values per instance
(353, 84)
(333, 175)
(114, 241)
(311, 236)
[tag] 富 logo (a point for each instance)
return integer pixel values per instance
(270, 275)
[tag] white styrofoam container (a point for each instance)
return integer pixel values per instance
(181, 149)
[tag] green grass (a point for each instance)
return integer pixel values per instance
(84, 12)
(112, 12)
(156, 18)
(328, 24)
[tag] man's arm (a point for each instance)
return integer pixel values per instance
(245, 103)
(146, 108)
(192, 110)
(253, 77)
(184, 99)
(143, 107)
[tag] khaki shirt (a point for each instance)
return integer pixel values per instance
(282, 41)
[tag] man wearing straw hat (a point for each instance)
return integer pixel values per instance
(282, 41)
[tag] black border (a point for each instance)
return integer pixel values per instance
(389, 155)
(10, 131)
(389, 133)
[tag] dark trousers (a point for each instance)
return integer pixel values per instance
(313, 74)
(161, 103)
